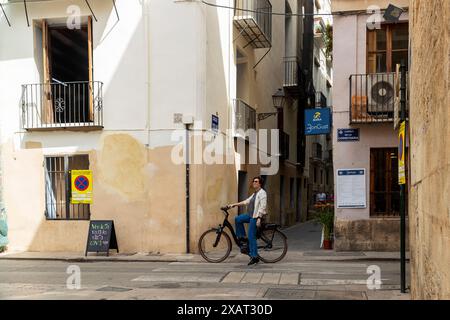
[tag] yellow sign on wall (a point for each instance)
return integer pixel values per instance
(401, 154)
(81, 186)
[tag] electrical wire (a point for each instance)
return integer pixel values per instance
(271, 13)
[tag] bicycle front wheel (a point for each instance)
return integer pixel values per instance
(214, 246)
(272, 246)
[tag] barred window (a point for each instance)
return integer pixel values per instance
(58, 191)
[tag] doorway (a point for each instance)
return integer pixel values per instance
(64, 60)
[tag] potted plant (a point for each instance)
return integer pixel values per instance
(326, 218)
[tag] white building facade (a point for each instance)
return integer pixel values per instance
(112, 90)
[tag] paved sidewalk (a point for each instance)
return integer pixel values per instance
(303, 245)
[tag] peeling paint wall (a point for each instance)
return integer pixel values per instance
(430, 152)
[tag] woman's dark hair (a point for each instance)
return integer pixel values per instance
(260, 179)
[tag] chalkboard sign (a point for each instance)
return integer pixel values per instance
(101, 237)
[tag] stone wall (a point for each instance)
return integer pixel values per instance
(430, 149)
(368, 235)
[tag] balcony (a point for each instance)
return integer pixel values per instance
(317, 152)
(372, 98)
(253, 19)
(244, 118)
(292, 75)
(63, 105)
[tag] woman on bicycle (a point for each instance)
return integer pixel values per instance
(256, 210)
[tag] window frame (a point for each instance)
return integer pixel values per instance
(388, 27)
(66, 207)
(388, 176)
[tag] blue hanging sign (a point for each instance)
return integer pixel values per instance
(317, 121)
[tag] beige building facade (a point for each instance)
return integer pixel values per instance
(366, 49)
(429, 204)
(115, 93)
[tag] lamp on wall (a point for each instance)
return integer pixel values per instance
(279, 100)
(392, 13)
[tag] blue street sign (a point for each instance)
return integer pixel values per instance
(215, 123)
(317, 121)
(348, 135)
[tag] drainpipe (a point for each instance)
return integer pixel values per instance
(187, 121)
(187, 188)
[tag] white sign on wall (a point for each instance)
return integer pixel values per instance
(351, 188)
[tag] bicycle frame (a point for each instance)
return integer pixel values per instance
(226, 224)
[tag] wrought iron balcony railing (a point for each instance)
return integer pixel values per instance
(47, 106)
(372, 97)
(291, 72)
(253, 19)
(244, 118)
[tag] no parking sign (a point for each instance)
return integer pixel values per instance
(81, 186)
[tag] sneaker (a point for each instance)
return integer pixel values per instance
(244, 250)
(253, 261)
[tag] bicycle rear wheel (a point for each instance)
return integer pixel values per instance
(214, 247)
(272, 245)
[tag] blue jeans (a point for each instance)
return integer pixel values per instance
(240, 232)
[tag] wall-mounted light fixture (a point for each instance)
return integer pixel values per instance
(392, 13)
(278, 100)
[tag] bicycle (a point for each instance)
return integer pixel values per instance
(215, 244)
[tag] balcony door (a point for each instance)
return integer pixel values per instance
(66, 72)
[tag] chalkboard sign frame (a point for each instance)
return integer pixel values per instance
(111, 237)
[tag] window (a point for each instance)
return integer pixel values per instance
(57, 188)
(387, 47)
(384, 188)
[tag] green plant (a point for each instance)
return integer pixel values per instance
(2, 248)
(326, 218)
(328, 38)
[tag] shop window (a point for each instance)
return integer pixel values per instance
(58, 190)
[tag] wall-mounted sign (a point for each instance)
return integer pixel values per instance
(346, 135)
(81, 186)
(317, 121)
(351, 188)
(401, 154)
(215, 123)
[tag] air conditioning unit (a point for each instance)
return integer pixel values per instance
(381, 94)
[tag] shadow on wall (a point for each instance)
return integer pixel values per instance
(136, 216)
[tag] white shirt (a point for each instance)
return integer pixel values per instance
(260, 203)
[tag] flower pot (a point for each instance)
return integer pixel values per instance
(327, 244)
